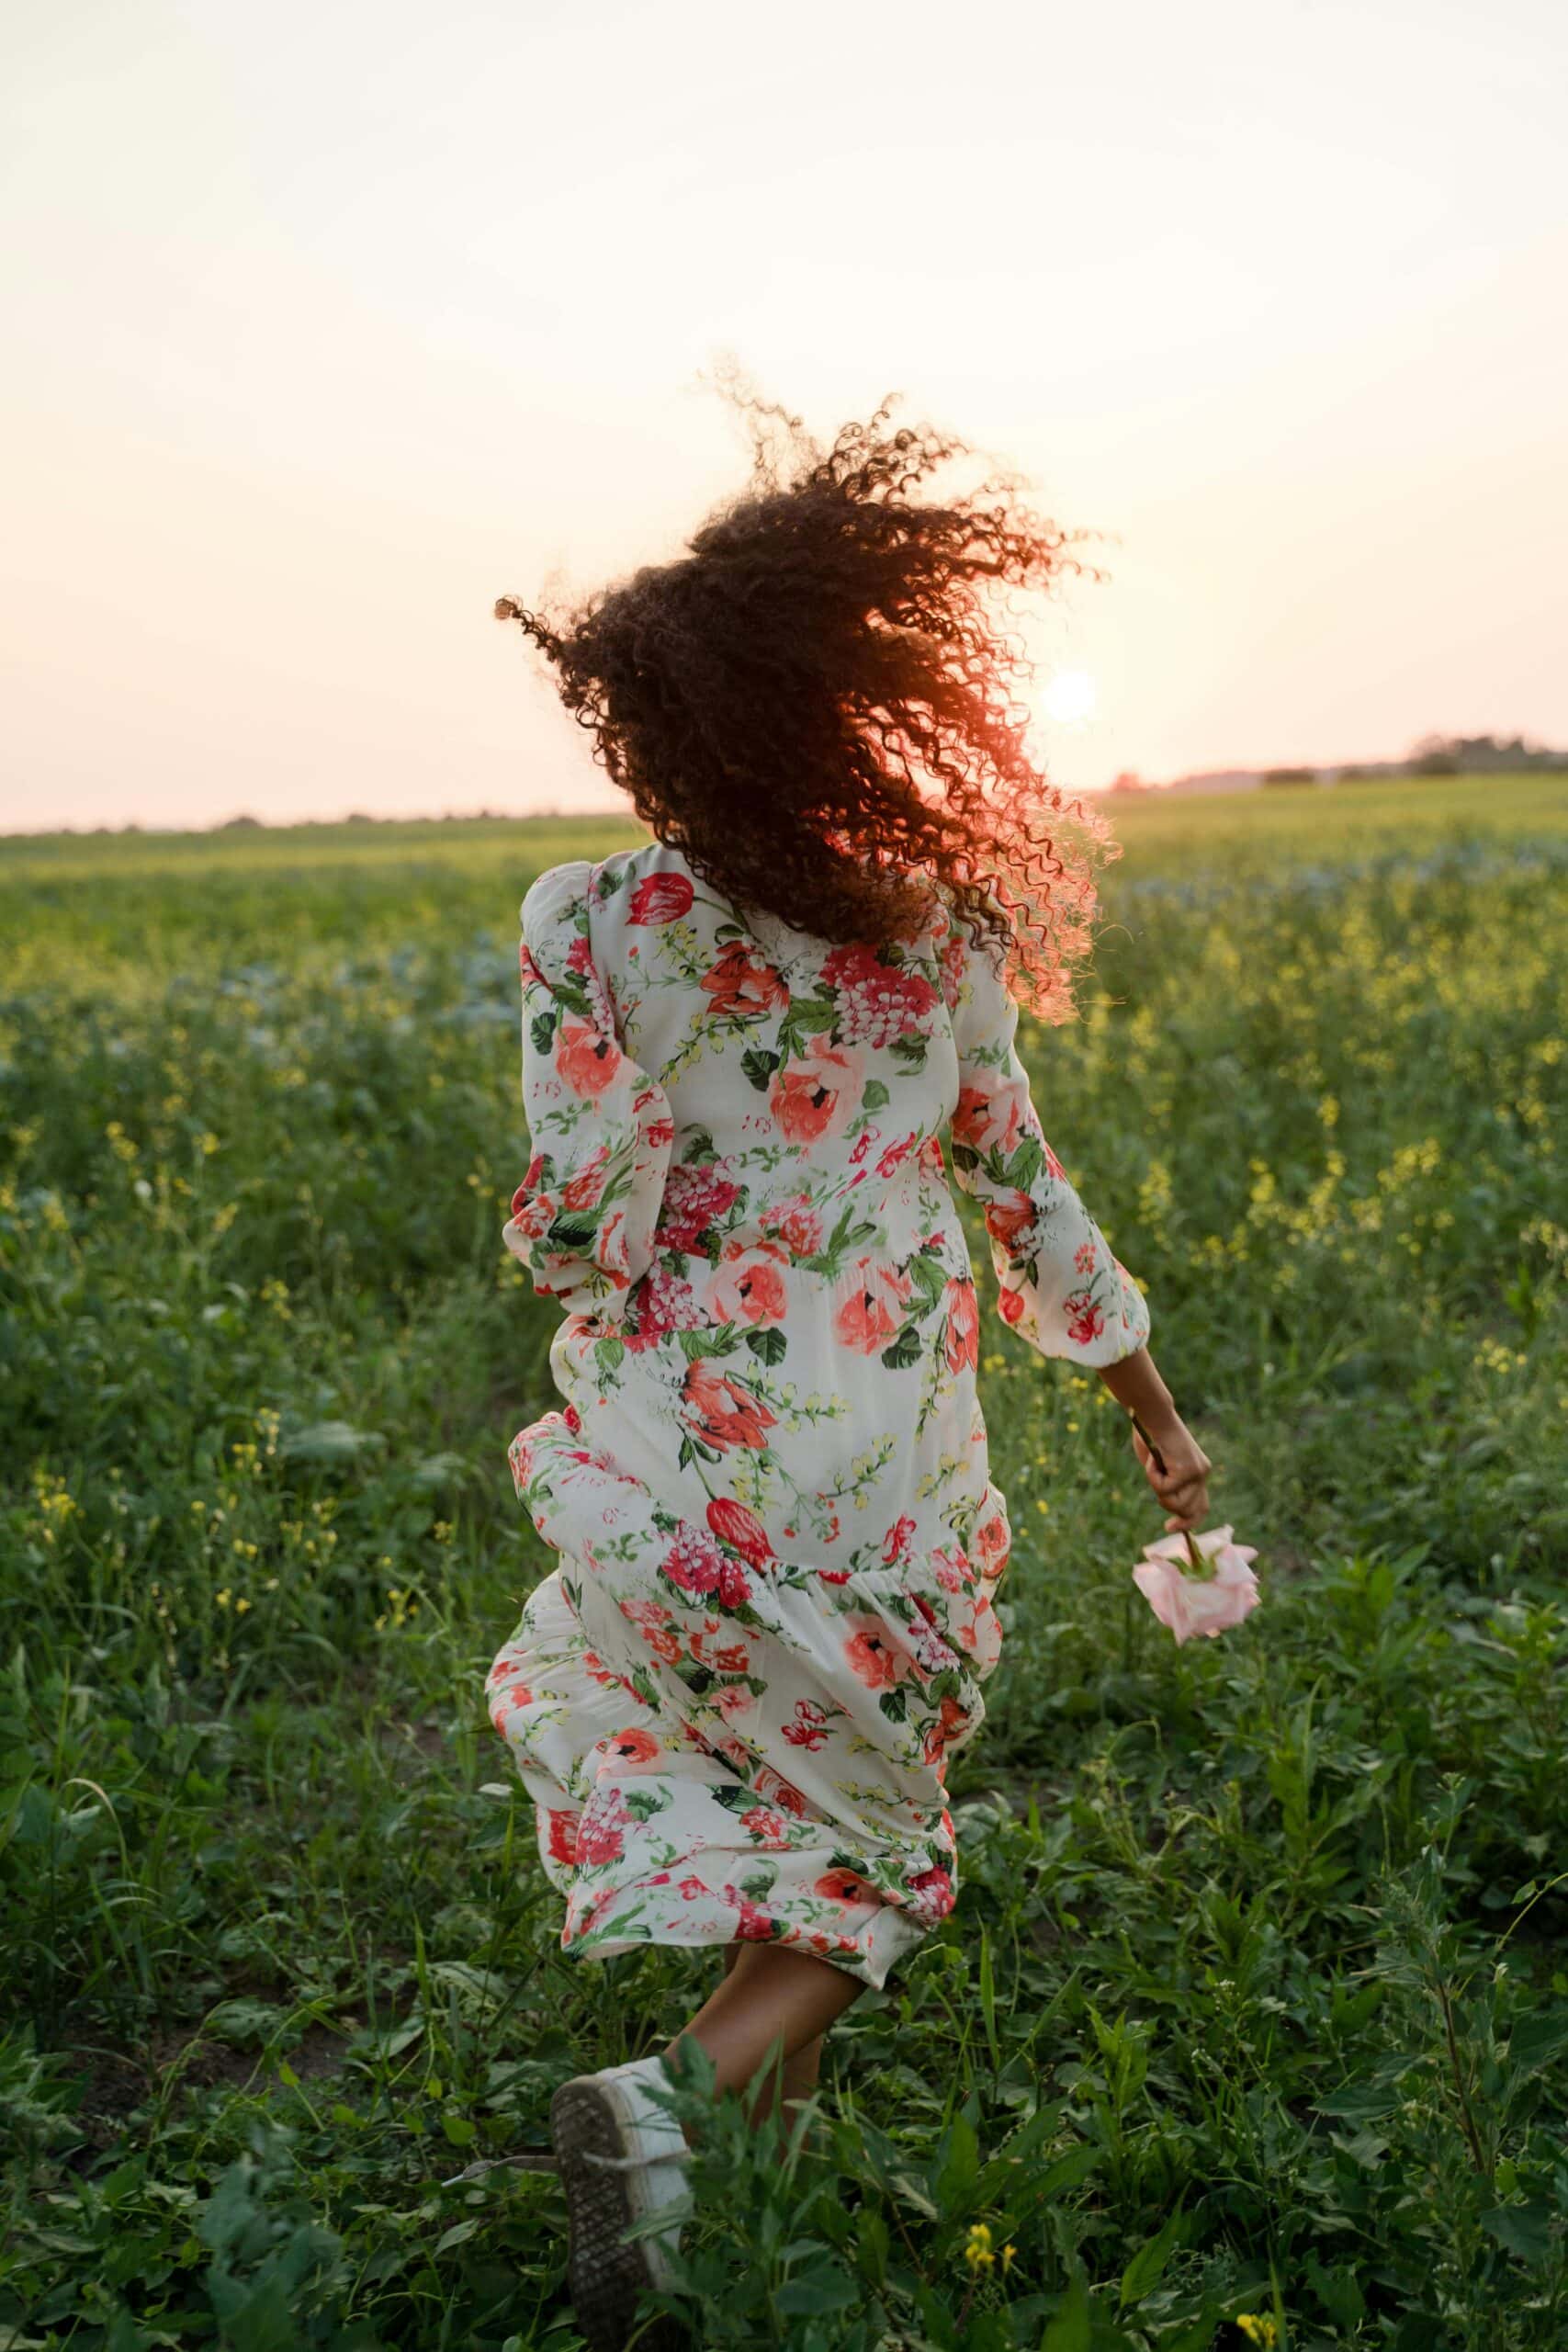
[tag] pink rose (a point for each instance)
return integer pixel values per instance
(1189, 1604)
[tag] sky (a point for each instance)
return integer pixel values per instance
(329, 322)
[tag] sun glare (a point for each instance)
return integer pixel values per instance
(1069, 700)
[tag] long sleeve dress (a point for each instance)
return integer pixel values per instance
(779, 1548)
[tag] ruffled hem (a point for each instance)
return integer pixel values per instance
(760, 1759)
(871, 1955)
(653, 1838)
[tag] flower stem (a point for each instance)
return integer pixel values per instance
(1155, 1456)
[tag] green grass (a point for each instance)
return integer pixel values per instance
(1254, 1997)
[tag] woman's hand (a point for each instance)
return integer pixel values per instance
(1177, 1469)
(1180, 1475)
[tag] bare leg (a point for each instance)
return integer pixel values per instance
(770, 1998)
(799, 2075)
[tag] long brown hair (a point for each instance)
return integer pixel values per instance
(820, 705)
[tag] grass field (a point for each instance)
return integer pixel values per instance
(1254, 2001)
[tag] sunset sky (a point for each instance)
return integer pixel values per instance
(331, 321)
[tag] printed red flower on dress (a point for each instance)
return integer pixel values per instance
(634, 1745)
(741, 987)
(1010, 1216)
(932, 1895)
(693, 1561)
(722, 1411)
(877, 1001)
(694, 1199)
(873, 1658)
(741, 1529)
(660, 898)
(962, 1336)
(808, 1730)
(561, 1837)
(601, 1834)
(748, 1288)
(796, 1224)
(896, 1546)
(871, 1307)
(817, 1095)
(1085, 1321)
(587, 1059)
(844, 1887)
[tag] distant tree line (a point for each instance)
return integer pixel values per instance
(1434, 755)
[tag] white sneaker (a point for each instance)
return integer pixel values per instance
(622, 2158)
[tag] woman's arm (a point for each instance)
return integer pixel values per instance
(599, 1126)
(1060, 1285)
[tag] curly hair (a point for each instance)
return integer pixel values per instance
(818, 706)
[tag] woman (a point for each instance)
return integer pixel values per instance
(734, 1700)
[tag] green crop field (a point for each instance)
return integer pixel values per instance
(1254, 2001)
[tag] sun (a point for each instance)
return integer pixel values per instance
(1069, 698)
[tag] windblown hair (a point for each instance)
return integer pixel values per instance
(820, 705)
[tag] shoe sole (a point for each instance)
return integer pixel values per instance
(606, 2276)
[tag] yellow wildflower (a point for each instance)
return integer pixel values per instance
(978, 2250)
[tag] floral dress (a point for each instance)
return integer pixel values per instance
(779, 1549)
